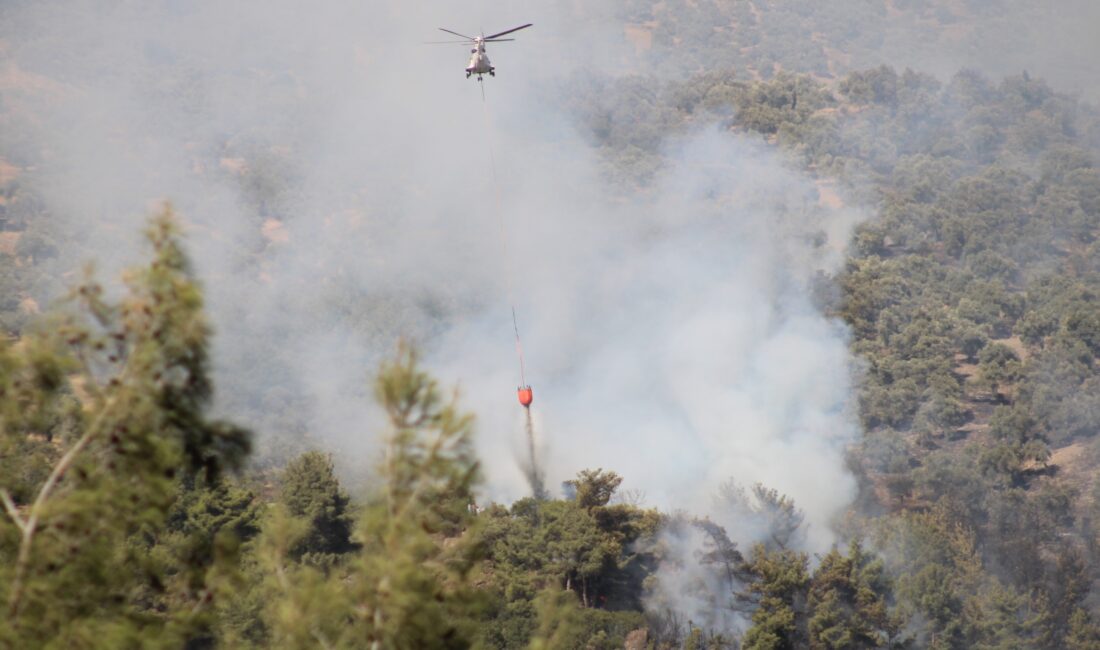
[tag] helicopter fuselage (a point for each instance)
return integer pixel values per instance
(479, 61)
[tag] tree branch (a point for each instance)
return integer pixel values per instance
(12, 510)
(316, 634)
(30, 525)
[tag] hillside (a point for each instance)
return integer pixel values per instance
(923, 242)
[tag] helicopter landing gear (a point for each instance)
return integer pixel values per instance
(468, 73)
(492, 72)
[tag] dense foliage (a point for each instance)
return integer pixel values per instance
(972, 300)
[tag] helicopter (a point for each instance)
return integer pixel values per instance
(479, 61)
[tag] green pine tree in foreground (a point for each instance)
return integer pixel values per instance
(106, 410)
(409, 584)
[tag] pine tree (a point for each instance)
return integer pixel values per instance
(1006, 619)
(408, 586)
(781, 584)
(73, 563)
(1083, 633)
(848, 602)
(311, 490)
(594, 488)
(940, 574)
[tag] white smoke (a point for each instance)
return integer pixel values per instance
(336, 175)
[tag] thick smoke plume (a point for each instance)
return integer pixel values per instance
(336, 178)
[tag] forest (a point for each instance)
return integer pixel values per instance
(139, 510)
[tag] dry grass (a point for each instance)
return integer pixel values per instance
(9, 241)
(275, 232)
(8, 172)
(640, 35)
(827, 196)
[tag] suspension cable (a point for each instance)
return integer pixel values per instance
(503, 235)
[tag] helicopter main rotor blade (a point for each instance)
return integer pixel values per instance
(445, 42)
(457, 34)
(498, 40)
(514, 29)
